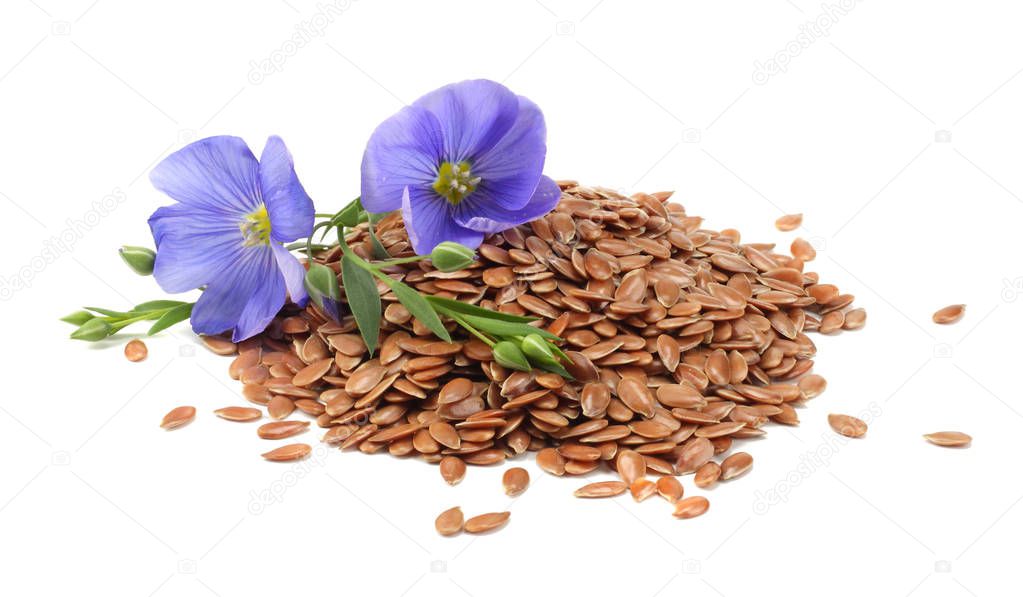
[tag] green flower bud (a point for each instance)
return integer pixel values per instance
(507, 354)
(139, 259)
(78, 317)
(321, 284)
(539, 351)
(92, 330)
(451, 257)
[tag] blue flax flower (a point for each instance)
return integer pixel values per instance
(226, 232)
(461, 162)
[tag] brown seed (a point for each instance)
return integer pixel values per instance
(669, 488)
(735, 465)
(551, 461)
(289, 452)
(949, 314)
(281, 429)
(181, 415)
(445, 434)
(280, 407)
(949, 439)
(789, 222)
(694, 454)
(631, 465)
(312, 372)
(239, 413)
(450, 522)
(803, 250)
(707, 475)
(855, 319)
(515, 481)
(452, 469)
(601, 489)
(636, 396)
(135, 350)
(812, 386)
(486, 522)
(641, 489)
(691, 507)
(847, 425)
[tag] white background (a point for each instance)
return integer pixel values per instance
(897, 134)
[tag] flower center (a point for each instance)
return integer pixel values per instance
(256, 228)
(455, 182)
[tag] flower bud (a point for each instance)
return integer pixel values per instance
(538, 350)
(92, 330)
(78, 317)
(451, 257)
(507, 354)
(321, 284)
(139, 259)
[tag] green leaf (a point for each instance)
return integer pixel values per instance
(505, 329)
(109, 313)
(349, 214)
(175, 315)
(363, 300)
(92, 331)
(379, 252)
(157, 305)
(467, 309)
(417, 306)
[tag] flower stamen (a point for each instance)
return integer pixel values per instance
(455, 181)
(256, 228)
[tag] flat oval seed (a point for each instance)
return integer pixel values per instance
(847, 425)
(691, 507)
(949, 314)
(707, 475)
(789, 222)
(812, 385)
(631, 465)
(551, 461)
(949, 439)
(445, 434)
(515, 481)
(486, 522)
(450, 522)
(669, 488)
(641, 489)
(135, 350)
(181, 415)
(452, 469)
(735, 465)
(601, 489)
(238, 413)
(289, 452)
(281, 429)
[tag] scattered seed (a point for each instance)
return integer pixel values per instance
(239, 413)
(669, 488)
(691, 507)
(949, 314)
(452, 469)
(515, 481)
(735, 465)
(601, 489)
(486, 522)
(789, 222)
(289, 452)
(135, 350)
(281, 429)
(641, 489)
(847, 425)
(707, 475)
(949, 439)
(181, 415)
(450, 522)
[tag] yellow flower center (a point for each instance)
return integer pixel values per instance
(256, 227)
(455, 182)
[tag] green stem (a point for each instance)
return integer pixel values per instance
(470, 329)
(117, 326)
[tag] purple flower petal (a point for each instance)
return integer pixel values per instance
(293, 272)
(245, 297)
(290, 208)
(511, 168)
(193, 246)
(474, 116)
(429, 221)
(216, 173)
(404, 151)
(481, 214)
